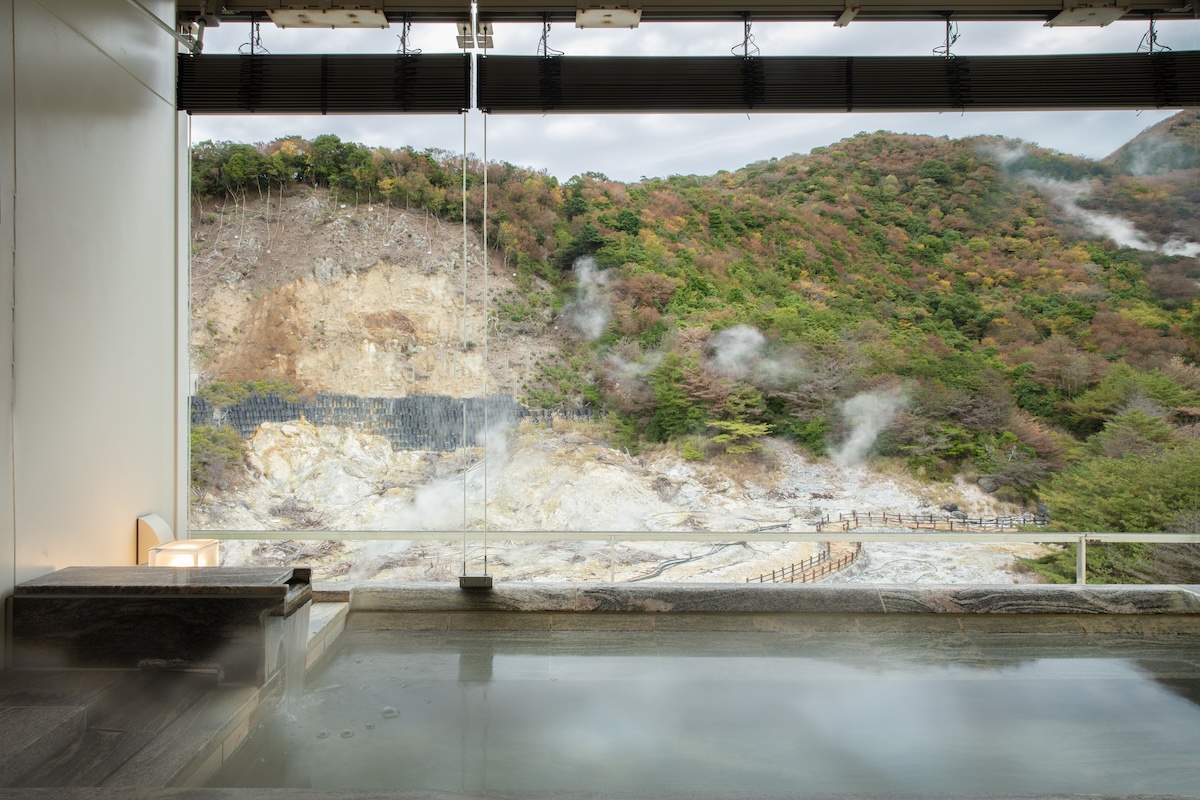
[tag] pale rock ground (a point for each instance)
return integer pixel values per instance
(565, 479)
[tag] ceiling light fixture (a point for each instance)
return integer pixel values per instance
(328, 17)
(1087, 16)
(599, 17)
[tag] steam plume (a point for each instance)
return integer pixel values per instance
(868, 415)
(619, 370)
(1154, 156)
(740, 352)
(590, 311)
(736, 350)
(439, 504)
(1067, 196)
(1181, 247)
(1147, 159)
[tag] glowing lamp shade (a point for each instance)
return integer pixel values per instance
(185, 553)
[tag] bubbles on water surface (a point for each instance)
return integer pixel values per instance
(347, 734)
(322, 734)
(388, 712)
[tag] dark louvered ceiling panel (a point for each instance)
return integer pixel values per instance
(324, 84)
(1109, 81)
(532, 84)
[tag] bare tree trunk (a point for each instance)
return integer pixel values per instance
(241, 227)
(280, 227)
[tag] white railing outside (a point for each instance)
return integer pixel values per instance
(613, 537)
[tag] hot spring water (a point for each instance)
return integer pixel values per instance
(295, 644)
(573, 711)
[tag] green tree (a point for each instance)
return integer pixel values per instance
(327, 161)
(226, 394)
(1132, 433)
(628, 221)
(1122, 385)
(217, 456)
(936, 171)
(1131, 493)
(738, 437)
(208, 157)
(675, 414)
(243, 169)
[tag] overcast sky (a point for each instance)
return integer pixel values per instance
(628, 147)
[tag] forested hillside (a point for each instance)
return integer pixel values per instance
(1025, 318)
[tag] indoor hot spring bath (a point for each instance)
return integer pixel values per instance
(660, 691)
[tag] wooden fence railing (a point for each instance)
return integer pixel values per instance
(810, 569)
(788, 574)
(853, 520)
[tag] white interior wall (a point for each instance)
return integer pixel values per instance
(7, 166)
(94, 409)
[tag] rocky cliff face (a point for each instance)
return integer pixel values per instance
(364, 300)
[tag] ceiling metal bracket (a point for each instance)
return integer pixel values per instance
(185, 41)
(850, 13)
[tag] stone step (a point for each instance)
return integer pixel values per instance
(142, 705)
(43, 713)
(85, 728)
(92, 690)
(29, 735)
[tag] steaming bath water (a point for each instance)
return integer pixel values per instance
(676, 712)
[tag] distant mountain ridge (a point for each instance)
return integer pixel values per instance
(1167, 146)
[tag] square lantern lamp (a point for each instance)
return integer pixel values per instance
(186, 553)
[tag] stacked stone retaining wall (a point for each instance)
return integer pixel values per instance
(416, 422)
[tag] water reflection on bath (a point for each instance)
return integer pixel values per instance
(709, 711)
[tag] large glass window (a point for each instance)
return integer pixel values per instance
(722, 331)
